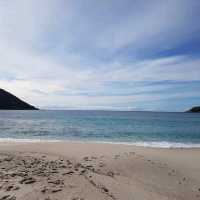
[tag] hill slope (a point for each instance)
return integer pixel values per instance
(194, 109)
(11, 102)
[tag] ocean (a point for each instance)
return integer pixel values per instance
(154, 129)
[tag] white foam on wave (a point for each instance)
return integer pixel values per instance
(14, 140)
(162, 144)
(167, 144)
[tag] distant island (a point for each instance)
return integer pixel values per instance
(195, 109)
(10, 102)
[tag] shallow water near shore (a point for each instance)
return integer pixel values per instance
(155, 129)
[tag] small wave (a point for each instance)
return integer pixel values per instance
(16, 140)
(161, 144)
(167, 144)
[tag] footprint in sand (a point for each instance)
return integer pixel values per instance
(8, 197)
(28, 180)
(77, 198)
(86, 159)
(101, 164)
(132, 153)
(11, 188)
(68, 173)
(111, 174)
(116, 156)
(56, 190)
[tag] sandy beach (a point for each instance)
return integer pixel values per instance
(88, 171)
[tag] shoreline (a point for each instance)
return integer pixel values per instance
(98, 171)
(146, 144)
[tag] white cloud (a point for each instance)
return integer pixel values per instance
(176, 68)
(74, 82)
(43, 48)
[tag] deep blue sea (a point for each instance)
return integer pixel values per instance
(156, 129)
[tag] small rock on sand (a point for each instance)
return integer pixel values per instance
(28, 180)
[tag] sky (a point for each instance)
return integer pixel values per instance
(108, 54)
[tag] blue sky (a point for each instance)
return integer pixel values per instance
(121, 55)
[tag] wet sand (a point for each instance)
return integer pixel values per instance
(89, 171)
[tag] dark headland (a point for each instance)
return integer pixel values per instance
(10, 102)
(195, 109)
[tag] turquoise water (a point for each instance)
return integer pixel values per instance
(140, 128)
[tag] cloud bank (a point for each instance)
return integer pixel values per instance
(101, 55)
